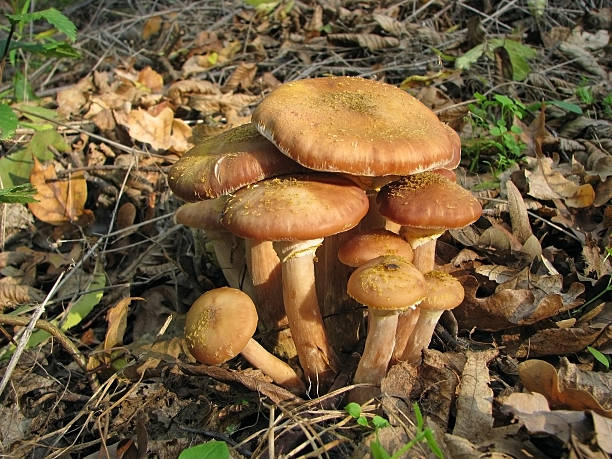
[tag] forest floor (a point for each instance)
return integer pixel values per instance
(520, 369)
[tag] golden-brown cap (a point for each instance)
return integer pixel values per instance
(298, 208)
(357, 126)
(443, 291)
(219, 324)
(365, 246)
(428, 200)
(201, 214)
(227, 162)
(387, 283)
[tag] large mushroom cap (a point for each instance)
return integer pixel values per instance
(387, 283)
(296, 208)
(219, 324)
(357, 126)
(428, 200)
(226, 162)
(201, 214)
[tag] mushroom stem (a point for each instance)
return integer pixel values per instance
(265, 269)
(421, 335)
(229, 254)
(406, 323)
(425, 256)
(316, 356)
(376, 354)
(280, 372)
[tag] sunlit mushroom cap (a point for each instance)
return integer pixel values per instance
(295, 208)
(363, 247)
(443, 291)
(219, 324)
(387, 283)
(428, 200)
(227, 162)
(357, 126)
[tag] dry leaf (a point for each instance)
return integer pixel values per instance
(475, 401)
(151, 27)
(117, 323)
(518, 213)
(12, 295)
(151, 79)
(59, 201)
(555, 341)
(243, 77)
(370, 41)
(540, 376)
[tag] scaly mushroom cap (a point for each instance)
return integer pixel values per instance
(387, 283)
(364, 247)
(357, 126)
(443, 292)
(227, 162)
(296, 208)
(428, 200)
(219, 324)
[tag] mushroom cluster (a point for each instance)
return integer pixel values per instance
(336, 162)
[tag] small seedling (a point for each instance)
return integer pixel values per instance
(377, 422)
(210, 450)
(600, 357)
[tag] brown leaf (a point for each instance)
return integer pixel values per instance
(242, 76)
(556, 341)
(518, 213)
(12, 295)
(475, 401)
(58, 201)
(117, 323)
(540, 376)
(370, 41)
(151, 27)
(151, 79)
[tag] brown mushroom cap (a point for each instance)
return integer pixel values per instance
(443, 292)
(364, 247)
(357, 126)
(201, 214)
(227, 162)
(387, 283)
(298, 208)
(219, 325)
(428, 200)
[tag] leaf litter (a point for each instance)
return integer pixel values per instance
(534, 267)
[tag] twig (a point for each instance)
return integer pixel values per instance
(33, 323)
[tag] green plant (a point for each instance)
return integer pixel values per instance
(495, 141)
(599, 356)
(377, 422)
(22, 51)
(213, 449)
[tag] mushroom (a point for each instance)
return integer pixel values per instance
(367, 245)
(444, 292)
(426, 205)
(220, 325)
(226, 162)
(297, 213)
(387, 285)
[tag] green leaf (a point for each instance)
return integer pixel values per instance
(22, 89)
(20, 194)
(51, 48)
(210, 450)
(519, 54)
(418, 416)
(86, 303)
(470, 57)
(363, 421)
(8, 122)
(353, 409)
(378, 451)
(379, 422)
(599, 356)
(567, 106)
(53, 17)
(433, 444)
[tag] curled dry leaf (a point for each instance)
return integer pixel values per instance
(518, 213)
(242, 76)
(370, 41)
(12, 295)
(151, 79)
(540, 376)
(553, 341)
(522, 299)
(58, 201)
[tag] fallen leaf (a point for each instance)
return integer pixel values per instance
(151, 79)
(151, 27)
(474, 418)
(540, 376)
(116, 317)
(59, 201)
(518, 213)
(369, 41)
(242, 76)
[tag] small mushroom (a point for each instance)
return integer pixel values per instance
(367, 245)
(387, 285)
(220, 325)
(444, 292)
